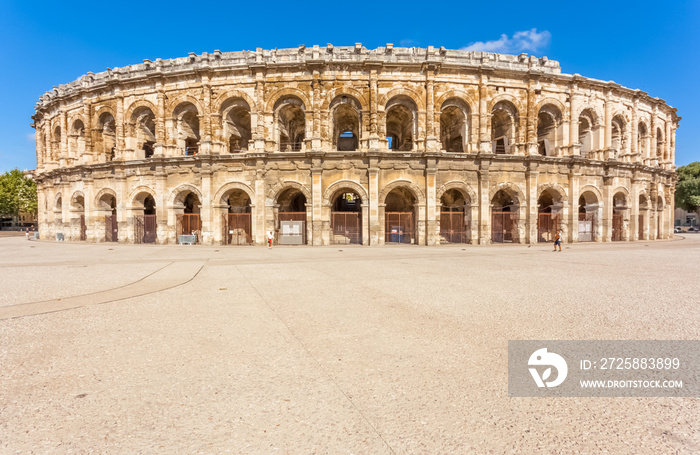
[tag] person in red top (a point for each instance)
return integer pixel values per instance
(557, 240)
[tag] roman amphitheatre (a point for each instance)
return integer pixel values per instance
(331, 145)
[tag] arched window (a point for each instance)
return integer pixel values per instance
(346, 123)
(454, 125)
(549, 130)
(291, 123)
(236, 124)
(504, 120)
(400, 123)
(187, 128)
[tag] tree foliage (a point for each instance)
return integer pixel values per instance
(688, 187)
(17, 194)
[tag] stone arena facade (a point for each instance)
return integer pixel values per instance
(326, 145)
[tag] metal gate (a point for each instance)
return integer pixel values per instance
(658, 226)
(189, 224)
(111, 228)
(83, 228)
(640, 228)
(346, 227)
(547, 225)
(617, 227)
(145, 229)
(453, 228)
(585, 226)
(237, 229)
(291, 236)
(503, 225)
(399, 227)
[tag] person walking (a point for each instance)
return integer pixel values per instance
(270, 237)
(557, 240)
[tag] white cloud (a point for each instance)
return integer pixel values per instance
(525, 41)
(31, 137)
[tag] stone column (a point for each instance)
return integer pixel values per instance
(432, 224)
(165, 232)
(574, 194)
(317, 99)
(205, 143)
(484, 116)
(258, 117)
(87, 156)
(633, 208)
(608, 121)
(484, 204)
(531, 175)
(606, 219)
(431, 140)
(119, 121)
(259, 227)
(161, 140)
(531, 131)
(375, 228)
(63, 146)
(317, 201)
(122, 204)
(667, 143)
(208, 222)
(634, 133)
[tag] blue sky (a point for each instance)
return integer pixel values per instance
(647, 45)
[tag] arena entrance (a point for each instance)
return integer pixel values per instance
(399, 217)
(346, 218)
(455, 226)
(504, 218)
(237, 222)
(189, 222)
(145, 225)
(109, 203)
(619, 209)
(587, 209)
(549, 208)
(641, 218)
(291, 218)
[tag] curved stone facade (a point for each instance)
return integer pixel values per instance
(331, 144)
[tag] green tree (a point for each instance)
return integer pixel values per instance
(688, 187)
(17, 193)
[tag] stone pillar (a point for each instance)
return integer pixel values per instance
(119, 125)
(90, 214)
(634, 152)
(574, 194)
(432, 142)
(531, 175)
(667, 143)
(205, 143)
(484, 117)
(88, 154)
(484, 204)
(432, 218)
(259, 227)
(161, 140)
(608, 120)
(258, 132)
(208, 222)
(531, 120)
(317, 201)
(165, 232)
(317, 99)
(634, 210)
(606, 219)
(63, 146)
(375, 228)
(122, 204)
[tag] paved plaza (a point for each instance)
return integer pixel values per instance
(111, 348)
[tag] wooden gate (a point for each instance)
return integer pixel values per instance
(503, 226)
(291, 216)
(111, 228)
(237, 229)
(83, 228)
(399, 227)
(547, 225)
(145, 229)
(346, 227)
(617, 227)
(640, 227)
(586, 223)
(189, 224)
(453, 228)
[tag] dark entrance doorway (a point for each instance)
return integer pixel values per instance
(399, 217)
(454, 218)
(504, 218)
(346, 219)
(291, 218)
(237, 222)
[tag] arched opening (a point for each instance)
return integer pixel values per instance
(454, 126)
(455, 210)
(642, 140)
(145, 220)
(237, 221)
(56, 143)
(189, 222)
(504, 120)
(291, 124)
(291, 217)
(549, 130)
(346, 123)
(107, 204)
(618, 217)
(237, 126)
(619, 139)
(78, 217)
(400, 216)
(588, 133)
(76, 140)
(106, 137)
(659, 144)
(642, 217)
(143, 131)
(400, 123)
(587, 217)
(187, 128)
(346, 217)
(549, 208)
(504, 217)
(58, 212)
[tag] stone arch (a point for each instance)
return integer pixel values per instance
(182, 99)
(558, 189)
(105, 109)
(401, 122)
(401, 91)
(277, 189)
(137, 104)
(135, 197)
(58, 201)
(455, 124)
(596, 113)
(345, 117)
(596, 192)
(339, 185)
(553, 101)
(415, 189)
(622, 113)
(99, 198)
(177, 196)
(230, 186)
(465, 97)
(512, 99)
(75, 203)
(512, 189)
(460, 186)
(218, 103)
(623, 190)
(278, 95)
(361, 98)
